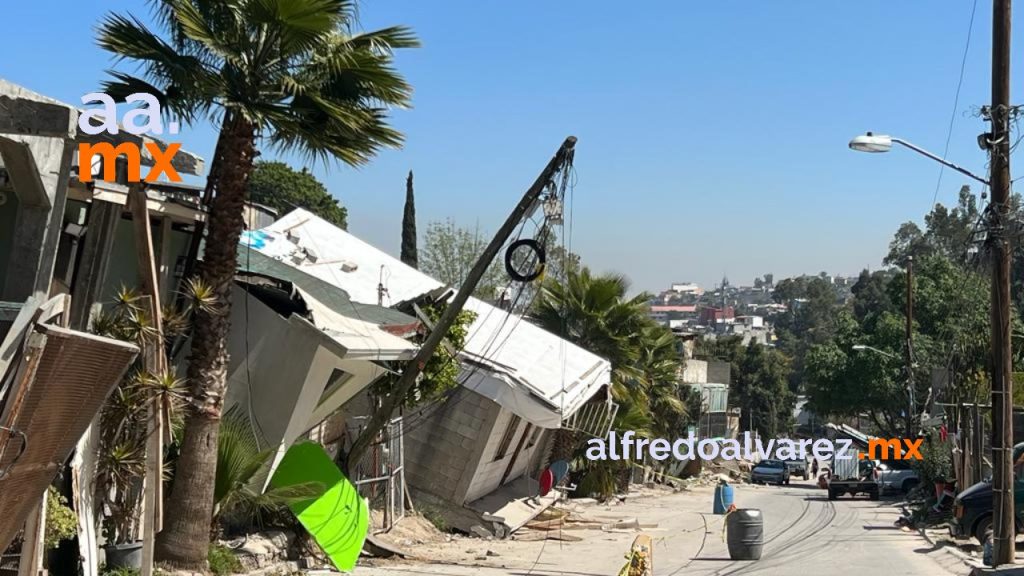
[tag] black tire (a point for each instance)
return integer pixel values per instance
(806, 475)
(909, 484)
(874, 494)
(983, 529)
(832, 494)
(787, 481)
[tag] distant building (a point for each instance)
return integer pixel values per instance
(711, 315)
(668, 314)
(687, 288)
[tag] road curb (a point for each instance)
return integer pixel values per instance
(964, 558)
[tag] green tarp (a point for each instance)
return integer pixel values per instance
(338, 519)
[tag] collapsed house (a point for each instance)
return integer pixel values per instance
(300, 349)
(473, 457)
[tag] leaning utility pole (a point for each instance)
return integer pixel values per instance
(999, 244)
(414, 367)
(911, 407)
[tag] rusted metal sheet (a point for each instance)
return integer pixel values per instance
(73, 375)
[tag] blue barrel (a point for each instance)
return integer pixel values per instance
(745, 534)
(723, 498)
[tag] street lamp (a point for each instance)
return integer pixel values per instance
(861, 347)
(878, 143)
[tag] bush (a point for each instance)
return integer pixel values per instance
(223, 561)
(936, 461)
(61, 522)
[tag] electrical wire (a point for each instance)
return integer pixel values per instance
(21, 450)
(956, 101)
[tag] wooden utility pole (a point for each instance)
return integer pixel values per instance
(911, 405)
(414, 367)
(1000, 251)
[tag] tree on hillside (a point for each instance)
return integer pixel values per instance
(281, 187)
(951, 320)
(409, 253)
(449, 253)
(947, 233)
(293, 75)
(759, 383)
(808, 320)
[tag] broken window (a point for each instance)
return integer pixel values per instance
(533, 437)
(506, 439)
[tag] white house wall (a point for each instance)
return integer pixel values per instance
(695, 371)
(290, 362)
(489, 471)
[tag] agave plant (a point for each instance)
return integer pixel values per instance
(123, 427)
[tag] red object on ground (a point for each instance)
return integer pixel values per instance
(547, 481)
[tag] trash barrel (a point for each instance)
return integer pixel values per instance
(723, 498)
(745, 534)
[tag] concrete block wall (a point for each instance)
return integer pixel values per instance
(443, 445)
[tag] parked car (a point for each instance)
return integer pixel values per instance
(898, 476)
(770, 472)
(972, 509)
(799, 468)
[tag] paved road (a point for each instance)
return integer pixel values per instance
(805, 535)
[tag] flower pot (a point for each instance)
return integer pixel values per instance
(124, 555)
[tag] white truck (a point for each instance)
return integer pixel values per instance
(850, 472)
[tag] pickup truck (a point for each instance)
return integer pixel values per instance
(898, 476)
(972, 509)
(799, 468)
(854, 476)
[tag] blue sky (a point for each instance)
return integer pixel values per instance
(712, 135)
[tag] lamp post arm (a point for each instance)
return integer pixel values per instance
(940, 160)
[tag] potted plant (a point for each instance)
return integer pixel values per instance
(121, 459)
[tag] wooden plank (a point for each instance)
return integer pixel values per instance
(166, 271)
(156, 364)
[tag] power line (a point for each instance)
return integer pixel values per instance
(956, 101)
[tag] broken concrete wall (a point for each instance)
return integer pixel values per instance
(36, 147)
(444, 444)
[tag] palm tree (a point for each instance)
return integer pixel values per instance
(596, 313)
(288, 73)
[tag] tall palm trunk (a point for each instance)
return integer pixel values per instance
(184, 541)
